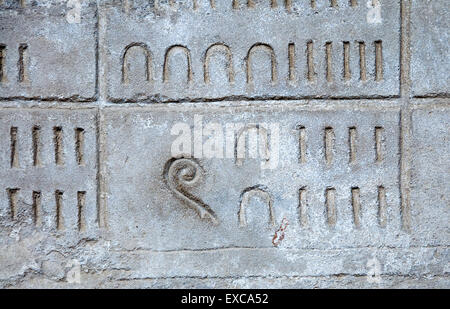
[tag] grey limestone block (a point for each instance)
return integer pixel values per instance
(45, 53)
(224, 144)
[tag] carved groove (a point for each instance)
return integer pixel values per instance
(329, 145)
(23, 63)
(59, 210)
(273, 61)
(208, 54)
(37, 208)
(379, 155)
(58, 143)
(3, 78)
(81, 203)
(352, 144)
(291, 57)
(246, 196)
(382, 206)
(310, 61)
(126, 65)
(329, 61)
(302, 144)
(166, 70)
(302, 207)
(378, 61)
(14, 148)
(13, 198)
(36, 135)
(362, 62)
(79, 145)
(347, 72)
(330, 200)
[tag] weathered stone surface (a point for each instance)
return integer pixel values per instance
(48, 171)
(430, 61)
(321, 172)
(45, 56)
(164, 53)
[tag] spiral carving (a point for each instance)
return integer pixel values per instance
(183, 174)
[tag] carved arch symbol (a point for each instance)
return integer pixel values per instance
(229, 56)
(169, 52)
(261, 192)
(126, 65)
(239, 144)
(273, 61)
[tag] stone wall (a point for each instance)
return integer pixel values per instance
(226, 143)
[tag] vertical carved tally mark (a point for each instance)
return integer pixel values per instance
(310, 61)
(333, 3)
(379, 155)
(353, 3)
(235, 4)
(59, 210)
(36, 135)
(13, 199)
(302, 207)
(291, 57)
(58, 143)
(216, 48)
(362, 62)
(23, 3)
(378, 61)
(126, 64)
(330, 201)
(3, 78)
(352, 140)
(329, 61)
(313, 4)
(247, 195)
(347, 73)
(23, 63)
(81, 203)
(182, 174)
(356, 205)
(382, 206)
(172, 4)
(273, 61)
(251, 3)
(301, 144)
(37, 208)
(79, 145)
(14, 148)
(169, 52)
(329, 145)
(288, 5)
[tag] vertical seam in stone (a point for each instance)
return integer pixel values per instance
(405, 113)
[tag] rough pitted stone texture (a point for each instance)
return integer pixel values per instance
(330, 163)
(58, 57)
(430, 48)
